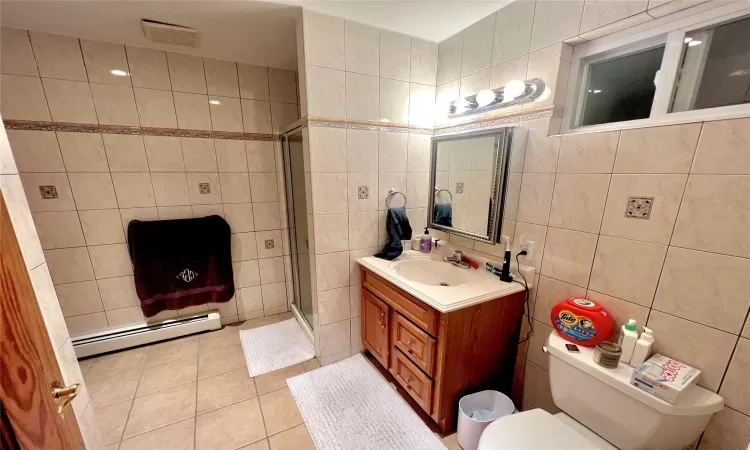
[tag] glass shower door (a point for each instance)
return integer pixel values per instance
(297, 212)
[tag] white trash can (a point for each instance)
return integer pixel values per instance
(476, 412)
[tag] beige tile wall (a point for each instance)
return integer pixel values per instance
(105, 180)
(681, 271)
(44, 290)
(359, 73)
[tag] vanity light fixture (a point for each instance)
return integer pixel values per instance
(515, 92)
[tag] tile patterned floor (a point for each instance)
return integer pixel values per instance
(195, 393)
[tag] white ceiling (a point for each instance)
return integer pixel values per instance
(252, 32)
(249, 31)
(427, 19)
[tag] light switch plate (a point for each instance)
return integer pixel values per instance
(639, 207)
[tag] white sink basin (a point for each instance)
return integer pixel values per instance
(433, 273)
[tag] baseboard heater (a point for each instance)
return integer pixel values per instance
(133, 336)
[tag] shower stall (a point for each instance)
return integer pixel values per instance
(296, 194)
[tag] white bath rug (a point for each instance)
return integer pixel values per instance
(348, 405)
(273, 347)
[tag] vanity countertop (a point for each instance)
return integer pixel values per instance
(481, 286)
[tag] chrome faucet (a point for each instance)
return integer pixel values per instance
(457, 259)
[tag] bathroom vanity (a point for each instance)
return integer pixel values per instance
(440, 342)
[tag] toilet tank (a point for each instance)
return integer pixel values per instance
(605, 402)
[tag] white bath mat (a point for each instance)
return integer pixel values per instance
(348, 405)
(273, 347)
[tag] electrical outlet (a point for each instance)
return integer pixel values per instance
(529, 247)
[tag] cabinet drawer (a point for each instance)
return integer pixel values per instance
(415, 343)
(419, 313)
(416, 383)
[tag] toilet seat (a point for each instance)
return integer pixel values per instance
(536, 429)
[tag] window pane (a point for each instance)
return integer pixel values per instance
(622, 88)
(715, 68)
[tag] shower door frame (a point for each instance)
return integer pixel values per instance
(293, 252)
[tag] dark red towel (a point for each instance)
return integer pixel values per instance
(181, 263)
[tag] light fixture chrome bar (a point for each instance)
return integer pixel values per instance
(533, 89)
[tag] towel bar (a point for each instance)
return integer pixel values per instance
(439, 190)
(391, 193)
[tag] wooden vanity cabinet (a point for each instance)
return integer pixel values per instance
(440, 357)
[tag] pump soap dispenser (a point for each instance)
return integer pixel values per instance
(425, 246)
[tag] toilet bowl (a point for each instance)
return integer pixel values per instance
(602, 410)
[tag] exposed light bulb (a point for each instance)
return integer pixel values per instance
(694, 43)
(485, 97)
(461, 105)
(688, 39)
(513, 89)
(214, 102)
(118, 72)
(596, 91)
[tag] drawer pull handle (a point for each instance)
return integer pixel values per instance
(382, 319)
(409, 342)
(408, 380)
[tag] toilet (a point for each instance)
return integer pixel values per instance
(601, 410)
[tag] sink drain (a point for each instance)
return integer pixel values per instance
(443, 283)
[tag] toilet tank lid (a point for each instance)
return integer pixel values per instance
(696, 401)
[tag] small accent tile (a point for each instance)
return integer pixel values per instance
(204, 188)
(460, 187)
(363, 192)
(639, 207)
(48, 192)
(269, 244)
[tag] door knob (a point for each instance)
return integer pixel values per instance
(63, 395)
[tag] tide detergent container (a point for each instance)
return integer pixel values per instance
(582, 321)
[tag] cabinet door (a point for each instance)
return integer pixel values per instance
(375, 316)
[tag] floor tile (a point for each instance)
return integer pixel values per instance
(277, 379)
(107, 388)
(225, 389)
(160, 409)
(170, 374)
(178, 436)
(228, 336)
(230, 427)
(112, 446)
(260, 445)
(285, 316)
(111, 421)
(115, 362)
(297, 438)
(311, 365)
(279, 411)
(451, 442)
(259, 322)
(220, 361)
(172, 350)
(85, 365)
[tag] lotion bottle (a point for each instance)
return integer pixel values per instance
(628, 338)
(642, 347)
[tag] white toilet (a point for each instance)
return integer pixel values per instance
(602, 410)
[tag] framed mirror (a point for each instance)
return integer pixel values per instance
(468, 178)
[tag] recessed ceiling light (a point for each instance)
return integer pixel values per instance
(694, 43)
(118, 72)
(214, 102)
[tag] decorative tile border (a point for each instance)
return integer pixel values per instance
(401, 128)
(145, 131)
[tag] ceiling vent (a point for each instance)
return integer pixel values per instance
(164, 33)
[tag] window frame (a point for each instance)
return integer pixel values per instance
(669, 31)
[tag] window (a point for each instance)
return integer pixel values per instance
(715, 69)
(691, 65)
